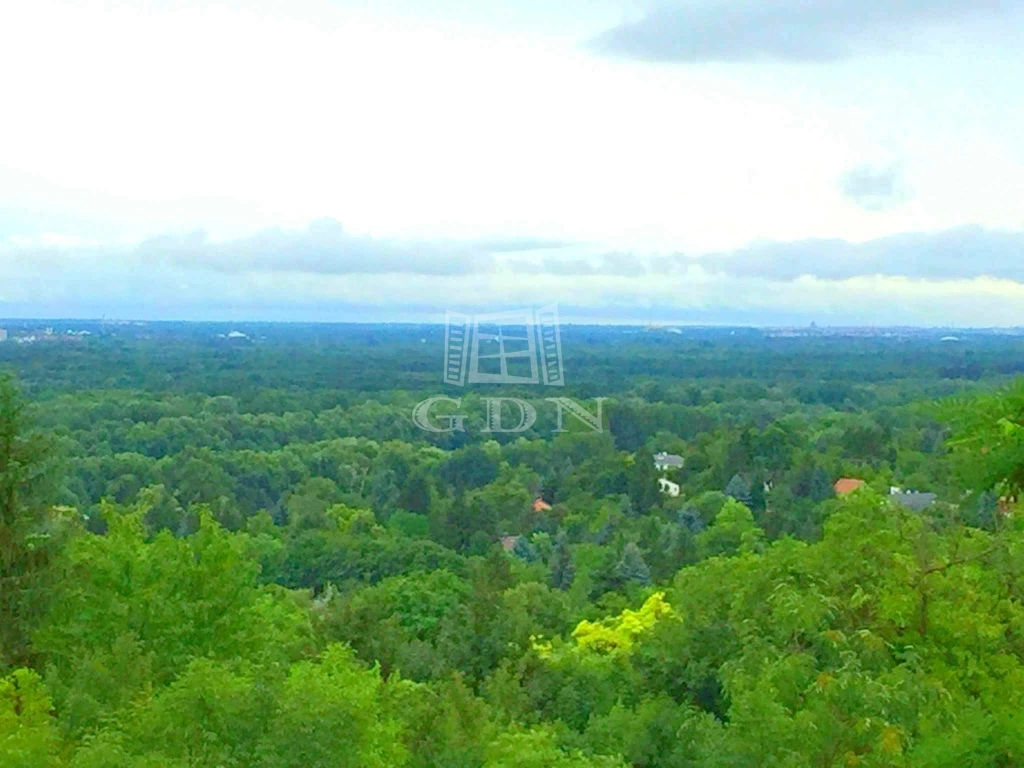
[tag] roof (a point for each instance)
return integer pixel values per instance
(913, 499)
(508, 543)
(668, 459)
(539, 505)
(847, 484)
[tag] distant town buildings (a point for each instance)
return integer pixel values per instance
(3, 334)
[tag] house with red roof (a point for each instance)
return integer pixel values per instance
(845, 485)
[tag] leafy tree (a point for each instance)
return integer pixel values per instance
(331, 714)
(28, 732)
(988, 439)
(131, 613)
(538, 748)
(415, 496)
(734, 531)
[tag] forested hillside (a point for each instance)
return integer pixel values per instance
(219, 552)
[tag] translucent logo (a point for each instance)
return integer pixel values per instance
(516, 347)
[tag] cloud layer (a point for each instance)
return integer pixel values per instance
(790, 30)
(968, 275)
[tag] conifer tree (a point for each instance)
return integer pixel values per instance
(28, 531)
(632, 567)
(563, 570)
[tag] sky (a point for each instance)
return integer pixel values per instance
(681, 161)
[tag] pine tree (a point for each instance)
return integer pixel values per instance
(643, 487)
(739, 489)
(984, 513)
(691, 518)
(632, 567)
(820, 486)
(524, 550)
(563, 570)
(28, 531)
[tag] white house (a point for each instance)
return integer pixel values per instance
(667, 486)
(664, 461)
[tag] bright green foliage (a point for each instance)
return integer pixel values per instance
(324, 714)
(28, 732)
(619, 633)
(988, 439)
(130, 613)
(410, 624)
(539, 749)
(733, 531)
(446, 726)
(210, 716)
(329, 715)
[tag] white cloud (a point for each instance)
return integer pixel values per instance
(438, 133)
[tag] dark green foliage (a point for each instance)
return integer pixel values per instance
(525, 551)
(643, 488)
(560, 564)
(29, 530)
(415, 496)
(738, 488)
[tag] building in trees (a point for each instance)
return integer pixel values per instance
(846, 485)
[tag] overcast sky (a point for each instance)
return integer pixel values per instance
(682, 161)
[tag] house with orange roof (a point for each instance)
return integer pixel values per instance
(539, 505)
(846, 485)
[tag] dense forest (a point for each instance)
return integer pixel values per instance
(235, 547)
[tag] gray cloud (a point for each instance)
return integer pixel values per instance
(326, 248)
(790, 30)
(929, 279)
(875, 189)
(324, 251)
(614, 264)
(961, 253)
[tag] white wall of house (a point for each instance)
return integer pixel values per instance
(667, 486)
